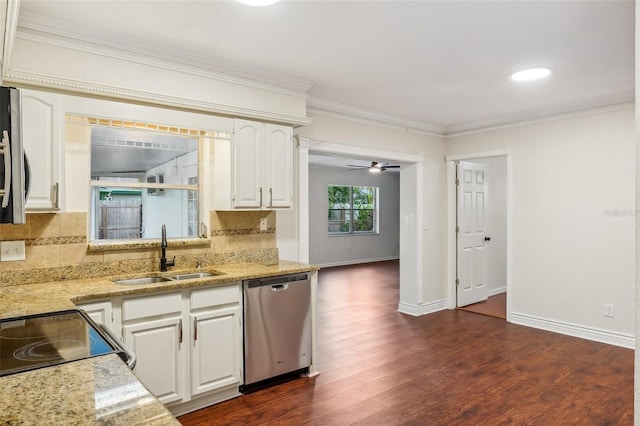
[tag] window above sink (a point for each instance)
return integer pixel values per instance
(144, 175)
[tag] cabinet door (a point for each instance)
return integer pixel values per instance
(278, 162)
(100, 312)
(247, 165)
(41, 140)
(216, 354)
(158, 348)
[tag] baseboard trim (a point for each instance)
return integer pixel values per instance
(603, 336)
(422, 309)
(356, 262)
(496, 291)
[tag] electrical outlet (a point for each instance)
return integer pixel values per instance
(608, 311)
(12, 251)
(263, 223)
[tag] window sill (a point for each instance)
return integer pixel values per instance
(353, 234)
(112, 245)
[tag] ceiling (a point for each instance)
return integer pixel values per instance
(133, 152)
(438, 66)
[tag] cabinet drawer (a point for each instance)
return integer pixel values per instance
(213, 296)
(149, 306)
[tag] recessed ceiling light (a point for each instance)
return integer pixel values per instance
(530, 74)
(258, 2)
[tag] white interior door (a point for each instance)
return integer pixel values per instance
(471, 282)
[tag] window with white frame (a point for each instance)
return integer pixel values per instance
(352, 209)
(143, 176)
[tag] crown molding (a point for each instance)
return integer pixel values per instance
(56, 82)
(334, 109)
(593, 106)
(590, 107)
(31, 29)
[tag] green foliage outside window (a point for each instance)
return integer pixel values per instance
(352, 209)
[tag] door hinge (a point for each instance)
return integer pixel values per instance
(457, 281)
(457, 181)
(457, 229)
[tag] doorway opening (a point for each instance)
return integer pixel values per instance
(411, 212)
(478, 195)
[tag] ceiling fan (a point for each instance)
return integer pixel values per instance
(375, 167)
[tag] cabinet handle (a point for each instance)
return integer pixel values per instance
(5, 149)
(195, 329)
(56, 192)
(270, 197)
(260, 196)
(180, 331)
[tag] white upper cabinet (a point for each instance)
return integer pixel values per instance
(41, 123)
(248, 164)
(278, 166)
(254, 171)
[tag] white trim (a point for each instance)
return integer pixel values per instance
(358, 261)
(496, 291)
(595, 106)
(590, 333)
(347, 112)
(10, 22)
(155, 98)
(316, 145)
(324, 107)
(451, 222)
(302, 201)
(422, 309)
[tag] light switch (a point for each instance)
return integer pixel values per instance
(11, 251)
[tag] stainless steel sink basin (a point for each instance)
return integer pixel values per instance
(194, 275)
(179, 277)
(144, 280)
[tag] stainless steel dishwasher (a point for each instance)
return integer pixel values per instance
(277, 327)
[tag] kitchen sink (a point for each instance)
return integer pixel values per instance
(194, 275)
(144, 280)
(154, 280)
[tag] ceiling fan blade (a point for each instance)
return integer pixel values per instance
(390, 167)
(357, 166)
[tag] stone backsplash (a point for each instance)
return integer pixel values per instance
(56, 248)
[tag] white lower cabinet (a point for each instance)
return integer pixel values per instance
(188, 343)
(159, 360)
(216, 353)
(100, 312)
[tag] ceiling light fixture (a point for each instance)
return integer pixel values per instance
(258, 2)
(530, 74)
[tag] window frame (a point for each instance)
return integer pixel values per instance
(351, 212)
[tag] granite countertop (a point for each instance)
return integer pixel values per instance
(94, 391)
(99, 390)
(28, 299)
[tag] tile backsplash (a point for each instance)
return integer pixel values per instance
(56, 242)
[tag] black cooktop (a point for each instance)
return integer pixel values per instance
(36, 341)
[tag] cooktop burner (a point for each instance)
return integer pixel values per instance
(38, 341)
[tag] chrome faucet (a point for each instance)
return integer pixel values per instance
(163, 248)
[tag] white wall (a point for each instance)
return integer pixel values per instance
(573, 220)
(325, 250)
(496, 223)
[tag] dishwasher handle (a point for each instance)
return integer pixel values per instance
(279, 287)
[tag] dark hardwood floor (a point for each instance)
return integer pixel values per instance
(380, 367)
(494, 306)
